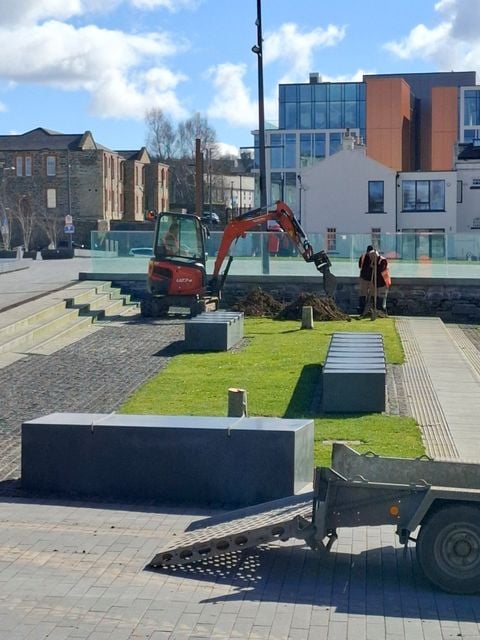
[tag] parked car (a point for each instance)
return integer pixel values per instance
(141, 251)
(210, 217)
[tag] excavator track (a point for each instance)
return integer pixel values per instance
(242, 529)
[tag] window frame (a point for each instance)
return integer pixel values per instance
(421, 196)
(51, 161)
(51, 194)
(372, 198)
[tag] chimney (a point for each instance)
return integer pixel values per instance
(315, 78)
(348, 141)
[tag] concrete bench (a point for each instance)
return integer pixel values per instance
(214, 331)
(205, 461)
(354, 374)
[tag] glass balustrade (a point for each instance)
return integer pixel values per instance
(434, 255)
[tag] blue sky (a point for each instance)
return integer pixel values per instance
(73, 65)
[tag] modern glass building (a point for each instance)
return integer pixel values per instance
(408, 122)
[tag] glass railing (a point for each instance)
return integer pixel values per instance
(435, 255)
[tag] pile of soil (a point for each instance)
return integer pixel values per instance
(323, 309)
(260, 303)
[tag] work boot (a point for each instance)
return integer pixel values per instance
(381, 308)
(361, 304)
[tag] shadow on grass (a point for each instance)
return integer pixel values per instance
(306, 396)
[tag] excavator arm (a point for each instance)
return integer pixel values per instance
(284, 217)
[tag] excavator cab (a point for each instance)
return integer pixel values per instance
(177, 271)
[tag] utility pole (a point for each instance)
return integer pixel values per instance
(198, 178)
(258, 50)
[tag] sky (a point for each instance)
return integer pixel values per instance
(99, 65)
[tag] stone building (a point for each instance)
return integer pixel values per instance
(47, 176)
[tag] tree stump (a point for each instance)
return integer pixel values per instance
(237, 403)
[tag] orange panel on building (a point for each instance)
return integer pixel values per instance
(444, 128)
(389, 125)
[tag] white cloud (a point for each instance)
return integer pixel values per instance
(357, 76)
(225, 149)
(295, 48)
(232, 100)
(125, 74)
(29, 12)
(171, 5)
(289, 46)
(3, 107)
(454, 43)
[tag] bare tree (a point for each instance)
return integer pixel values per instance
(188, 131)
(51, 224)
(176, 146)
(160, 134)
(24, 214)
(5, 226)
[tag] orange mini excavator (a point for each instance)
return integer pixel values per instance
(177, 278)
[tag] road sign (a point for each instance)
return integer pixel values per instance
(68, 219)
(69, 228)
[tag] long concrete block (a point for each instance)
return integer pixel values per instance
(354, 374)
(206, 461)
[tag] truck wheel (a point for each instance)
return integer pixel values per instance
(448, 548)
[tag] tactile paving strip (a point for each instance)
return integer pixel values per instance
(424, 403)
(469, 350)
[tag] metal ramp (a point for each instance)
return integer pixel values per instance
(238, 530)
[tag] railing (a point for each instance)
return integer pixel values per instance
(435, 255)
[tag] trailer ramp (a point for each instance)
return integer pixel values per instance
(238, 530)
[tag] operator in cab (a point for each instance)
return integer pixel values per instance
(170, 240)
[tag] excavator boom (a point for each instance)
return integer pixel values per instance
(284, 217)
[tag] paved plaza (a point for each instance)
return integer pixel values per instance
(77, 569)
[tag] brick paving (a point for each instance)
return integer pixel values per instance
(94, 375)
(77, 569)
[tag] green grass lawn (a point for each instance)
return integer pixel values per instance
(280, 369)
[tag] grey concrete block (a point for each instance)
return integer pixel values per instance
(354, 391)
(179, 459)
(354, 374)
(214, 331)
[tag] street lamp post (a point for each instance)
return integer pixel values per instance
(258, 50)
(4, 223)
(299, 178)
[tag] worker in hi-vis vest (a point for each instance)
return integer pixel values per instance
(370, 277)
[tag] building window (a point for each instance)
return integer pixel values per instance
(305, 149)
(19, 166)
(423, 195)
(335, 142)
(459, 191)
(376, 196)
(319, 146)
(290, 151)
(331, 239)
(28, 166)
(51, 166)
(51, 198)
(276, 160)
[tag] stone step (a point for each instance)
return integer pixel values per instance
(58, 319)
(40, 330)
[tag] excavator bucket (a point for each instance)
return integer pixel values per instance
(329, 283)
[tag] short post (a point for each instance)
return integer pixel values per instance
(307, 317)
(237, 403)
